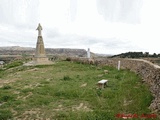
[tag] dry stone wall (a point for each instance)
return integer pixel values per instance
(150, 74)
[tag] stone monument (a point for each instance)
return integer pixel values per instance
(40, 57)
(40, 54)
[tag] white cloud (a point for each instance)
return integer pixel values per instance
(106, 26)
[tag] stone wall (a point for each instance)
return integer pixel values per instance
(150, 74)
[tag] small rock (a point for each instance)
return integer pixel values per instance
(106, 71)
(84, 85)
(100, 75)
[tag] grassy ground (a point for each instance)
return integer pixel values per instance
(68, 90)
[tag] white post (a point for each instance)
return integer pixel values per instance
(88, 54)
(119, 64)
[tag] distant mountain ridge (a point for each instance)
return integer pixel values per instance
(17, 50)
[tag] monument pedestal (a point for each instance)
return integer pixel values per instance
(42, 61)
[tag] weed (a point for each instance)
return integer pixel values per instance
(99, 92)
(118, 77)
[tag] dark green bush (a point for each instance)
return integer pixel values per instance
(68, 59)
(66, 77)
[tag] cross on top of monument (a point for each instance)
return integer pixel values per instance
(39, 28)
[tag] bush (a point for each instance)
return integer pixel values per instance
(68, 59)
(66, 77)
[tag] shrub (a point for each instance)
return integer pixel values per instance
(68, 59)
(66, 77)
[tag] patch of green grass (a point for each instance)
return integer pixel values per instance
(26, 90)
(13, 64)
(7, 87)
(6, 98)
(68, 90)
(1, 73)
(5, 115)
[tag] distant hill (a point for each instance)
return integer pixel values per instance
(136, 55)
(17, 50)
(103, 55)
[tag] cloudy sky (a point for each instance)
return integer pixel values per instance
(104, 26)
